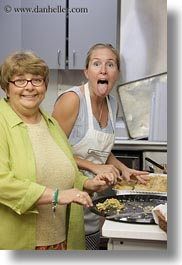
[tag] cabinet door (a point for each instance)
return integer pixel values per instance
(43, 30)
(10, 28)
(90, 22)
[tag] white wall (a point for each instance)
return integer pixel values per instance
(143, 38)
(59, 81)
(51, 94)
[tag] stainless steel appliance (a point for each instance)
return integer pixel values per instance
(144, 107)
(132, 159)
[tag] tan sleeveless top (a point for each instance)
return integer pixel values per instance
(53, 169)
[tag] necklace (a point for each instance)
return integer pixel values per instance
(100, 116)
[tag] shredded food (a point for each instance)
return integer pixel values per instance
(108, 204)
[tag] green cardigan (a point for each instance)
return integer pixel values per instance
(19, 190)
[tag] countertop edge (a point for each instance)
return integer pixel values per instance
(121, 230)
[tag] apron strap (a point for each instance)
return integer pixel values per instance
(89, 108)
(110, 113)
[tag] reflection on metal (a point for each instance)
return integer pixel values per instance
(135, 100)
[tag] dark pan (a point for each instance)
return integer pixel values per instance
(138, 208)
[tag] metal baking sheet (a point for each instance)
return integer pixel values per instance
(149, 192)
(138, 208)
(135, 98)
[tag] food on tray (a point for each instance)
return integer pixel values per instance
(125, 185)
(144, 187)
(156, 183)
(122, 187)
(109, 203)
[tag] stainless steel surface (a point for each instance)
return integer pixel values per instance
(137, 192)
(158, 114)
(136, 98)
(139, 145)
(159, 156)
(154, 163)
(156, 167)
(121, 130)
(132, 159)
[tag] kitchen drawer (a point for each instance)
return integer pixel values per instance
(132, 244)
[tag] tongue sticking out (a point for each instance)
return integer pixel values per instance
(102, 86)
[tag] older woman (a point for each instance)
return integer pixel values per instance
(87, 114)
(39, 178)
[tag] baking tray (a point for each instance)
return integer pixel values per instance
(121, 192)
(135, 208)
(135, 98)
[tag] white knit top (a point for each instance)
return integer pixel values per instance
(53, 169)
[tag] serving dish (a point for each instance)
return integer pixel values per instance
(136, 208)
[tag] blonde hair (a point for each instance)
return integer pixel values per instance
(21, 63)
(101, 46)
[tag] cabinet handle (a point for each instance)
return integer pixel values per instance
(59, 54)
(74, 58)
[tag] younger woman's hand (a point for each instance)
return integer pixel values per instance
(100, 182)
(130, 174)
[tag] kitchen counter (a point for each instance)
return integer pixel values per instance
(127, 236)
(139, 145)
(132, 152)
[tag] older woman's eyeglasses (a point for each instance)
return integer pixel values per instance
(23, 82)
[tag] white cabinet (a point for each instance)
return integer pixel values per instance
(130, 236)
(34, 25)
(10, 28)
(43, 30)
(60, 31)
(135, 244)
(96, 22)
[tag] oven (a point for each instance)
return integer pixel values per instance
(132, 159)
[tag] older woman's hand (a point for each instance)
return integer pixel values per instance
(74, 195)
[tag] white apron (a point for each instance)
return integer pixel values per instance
(95, 146)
